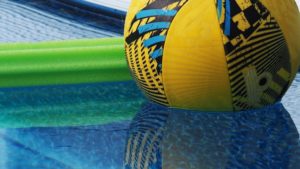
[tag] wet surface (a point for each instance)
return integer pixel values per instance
(91, 147)
(69, 105)
(110, 125)
(21, 23)
(170, 138)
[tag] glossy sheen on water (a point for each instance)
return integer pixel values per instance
(20, 23)
(162, 138)
(89, 126)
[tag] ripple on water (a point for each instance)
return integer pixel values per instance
(20, 23)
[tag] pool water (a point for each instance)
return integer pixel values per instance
(112, 125)
(21, 23)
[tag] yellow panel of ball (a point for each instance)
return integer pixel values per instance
(214, 55)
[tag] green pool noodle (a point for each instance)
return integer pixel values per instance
(63, 62)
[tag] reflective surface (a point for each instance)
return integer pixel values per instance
(69, 105)
(112, 126)
(21, 23)
(169, 138)
(92, 147)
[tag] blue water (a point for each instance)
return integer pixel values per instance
(266, 138)
(111, 125)
(23, 23)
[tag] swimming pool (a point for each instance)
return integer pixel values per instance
(85, 126)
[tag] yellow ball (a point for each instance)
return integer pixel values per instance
(213, 55)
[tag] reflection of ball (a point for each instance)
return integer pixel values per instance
(223, 55)
(164, 138)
